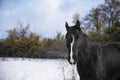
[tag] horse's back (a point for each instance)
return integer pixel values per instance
(111, 54)
(111, 50)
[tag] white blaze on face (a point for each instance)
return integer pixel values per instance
(71, 50)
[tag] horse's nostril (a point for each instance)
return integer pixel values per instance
(71, 62)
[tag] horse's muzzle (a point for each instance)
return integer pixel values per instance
(72, 62)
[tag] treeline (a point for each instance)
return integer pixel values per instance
(21, 42)
(102, 24)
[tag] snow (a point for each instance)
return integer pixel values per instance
(36, 69)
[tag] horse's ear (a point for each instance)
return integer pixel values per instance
(67, 26)
(77, 25)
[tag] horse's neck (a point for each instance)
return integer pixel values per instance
(84, 48)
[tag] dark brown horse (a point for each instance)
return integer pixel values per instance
(94, 61)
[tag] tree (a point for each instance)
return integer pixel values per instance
(94, 20)
(76, 17)
(105, 19)
(23, 42)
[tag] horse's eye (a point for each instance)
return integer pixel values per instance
(70, 39)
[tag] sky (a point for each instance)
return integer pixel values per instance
(46, 17)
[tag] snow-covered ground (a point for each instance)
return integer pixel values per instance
(36, 69)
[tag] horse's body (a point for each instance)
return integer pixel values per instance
(94, 61)
(99, 62)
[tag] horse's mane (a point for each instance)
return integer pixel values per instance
(86, 41)
(90, 41)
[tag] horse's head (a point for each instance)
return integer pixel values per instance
(72, 36)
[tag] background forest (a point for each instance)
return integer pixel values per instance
(102, 24)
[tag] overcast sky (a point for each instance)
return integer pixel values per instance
(46, 17)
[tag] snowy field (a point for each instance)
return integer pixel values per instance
(37, 69)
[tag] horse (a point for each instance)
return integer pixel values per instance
(94, 61)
